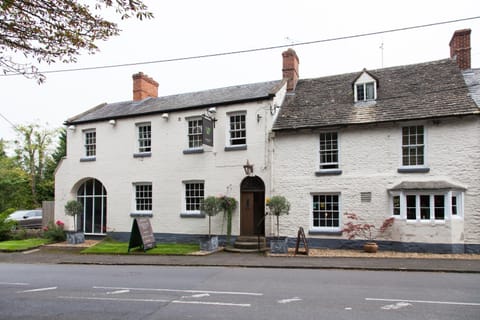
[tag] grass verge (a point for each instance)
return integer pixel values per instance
(109, 246)
(22, 245)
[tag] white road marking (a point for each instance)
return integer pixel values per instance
(427, 301)
(245, 305)
(38, 290)
(348, 308)
(200, 295)
(31, 251)
(118, 292)
(396, 306)
(14, 283)
(289, 300)
(186, 291)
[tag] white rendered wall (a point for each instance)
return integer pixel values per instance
(369, 157)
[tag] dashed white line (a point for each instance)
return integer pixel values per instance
(38, 290)
(186, 291)
(14, 284)
(227, 304)
(426, 301)
(289, 300)
(118, 292)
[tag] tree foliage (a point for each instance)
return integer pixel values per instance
(57, 31)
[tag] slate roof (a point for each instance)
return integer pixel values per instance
(419, 91)
(472, 79)
(201, 99)
(426, 185)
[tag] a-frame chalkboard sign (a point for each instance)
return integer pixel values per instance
(141, 235)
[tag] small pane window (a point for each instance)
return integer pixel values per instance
(413, 146)
(365, 91)
(195, 129)
(328, 150)
(326, 212)
(90, 143)
(143, 197)
(144, 137)
(238, 130)
(194, 195)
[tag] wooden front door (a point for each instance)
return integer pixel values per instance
(247, 227)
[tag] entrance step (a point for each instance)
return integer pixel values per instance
(249, 244)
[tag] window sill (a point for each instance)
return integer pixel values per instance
(192, 215)
(141, 214)
(88, 159)
(413, 170)
(142, 155)
(236, 148)
(328, 172)
(324, 233)
(193, 151)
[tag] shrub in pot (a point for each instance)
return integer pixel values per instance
(277, 206)
(74, 209)
(211, 206)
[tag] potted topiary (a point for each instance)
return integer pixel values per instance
(277, 206)
(228, 204)
(211, 206)
(74, 209)
(355, 227)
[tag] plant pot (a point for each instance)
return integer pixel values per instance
(75, 237)
(209, 243)
(279, 245)
(370, 247)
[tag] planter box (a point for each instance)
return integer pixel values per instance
(209, 243)
(279, 245)
(75, 237)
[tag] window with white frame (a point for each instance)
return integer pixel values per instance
(195, 133)
(143, 197)
(328, 150)
(326, 212)
(144, 136)
(194, 195)
(365, 88)
(426, 206)
(238, 129)
(365, 91)
(90, 143)
(413, 146)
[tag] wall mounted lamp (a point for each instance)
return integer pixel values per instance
(71, 127)
(112, 122)
(165, 116)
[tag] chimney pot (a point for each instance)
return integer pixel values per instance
(290, 68)
(460, 48)
(144, 86)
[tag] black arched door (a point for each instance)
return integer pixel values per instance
(93, 196)
(252, 207)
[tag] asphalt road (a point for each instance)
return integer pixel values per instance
(29, 291)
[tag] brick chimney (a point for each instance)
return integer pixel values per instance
(290, 68)
(460, 48)
(144, 86)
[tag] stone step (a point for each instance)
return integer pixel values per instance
(250, 243)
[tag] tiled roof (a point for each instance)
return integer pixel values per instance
(426, 185)
(472, 79)
(425, 90)
(207, 98)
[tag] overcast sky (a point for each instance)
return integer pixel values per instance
(184, 28)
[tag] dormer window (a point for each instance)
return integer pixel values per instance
(365, 88)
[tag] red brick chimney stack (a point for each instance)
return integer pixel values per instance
(290, 68)
(460, 48)
(144, 86)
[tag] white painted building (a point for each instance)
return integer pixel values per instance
(402, 142)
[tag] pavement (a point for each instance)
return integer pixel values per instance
(69, 255)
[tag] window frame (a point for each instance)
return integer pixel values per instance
(186, 211)
(138, 202)
(230, 131)
(365, 92)
(194, 137)
(329, 152)
(432, 216)
(325, 229)
(141, 148)
(88, 144)
(417, 145)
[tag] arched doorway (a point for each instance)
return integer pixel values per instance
(93, 196)
(252, 207)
